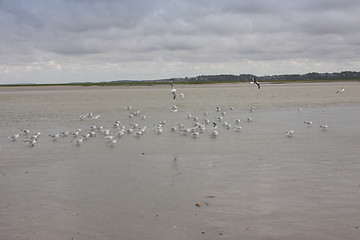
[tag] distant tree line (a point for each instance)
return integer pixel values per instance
(314, 76)
(345, 75)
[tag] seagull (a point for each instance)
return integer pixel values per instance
(173, 90)
(173, 109)
(111, 142)
(290, 133)
(119, 133)
(181, 95)
(324, 126)
(158, 130)
(25, 131)
(227, 125)
(238, 129)
(308, 123)
(78, 141)
(186, 130)
(195, 134)
(92, 134)
(105, 132)
(340, 90)
(86, 136)
(249, 119)
(14, 137)
(256, 82)
(35, 135)
(143, 129)
(96, 117)
(74, 134)
(31, 142)
(54, 137)
(214, 132)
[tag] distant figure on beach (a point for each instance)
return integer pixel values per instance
(340, 90)
(173, 90)
(256, 82)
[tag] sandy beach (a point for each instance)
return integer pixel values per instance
(255, 183)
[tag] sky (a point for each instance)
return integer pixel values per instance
(61, 41)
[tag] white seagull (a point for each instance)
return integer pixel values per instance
(14, 137)
(290, 133)
(111, 142)
(238, 129)
(54, 137)
(214, 132)
(308, 123)
(78, 141)
(195, 134)
(324, 126)
(173, 108)
(31, 142)
(25, 131)
(96, 117)
(340, 90)
(173, 90)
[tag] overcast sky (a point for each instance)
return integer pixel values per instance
(57, 41)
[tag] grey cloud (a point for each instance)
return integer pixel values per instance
(198, 31)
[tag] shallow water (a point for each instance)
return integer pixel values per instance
(253, 184)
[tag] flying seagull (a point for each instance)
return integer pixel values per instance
(173, 90)
(340, 90)
(256, 82)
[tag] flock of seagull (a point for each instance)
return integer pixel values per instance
(118, 130)
(112, 135)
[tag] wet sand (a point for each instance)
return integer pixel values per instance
(253, 184)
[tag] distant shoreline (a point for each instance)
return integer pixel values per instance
(151, 83)
(78, 87)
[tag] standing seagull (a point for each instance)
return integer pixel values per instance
(256, 82)
(173, 90)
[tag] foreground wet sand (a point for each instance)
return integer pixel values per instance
(253, 184)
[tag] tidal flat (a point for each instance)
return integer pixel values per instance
(255, 183)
